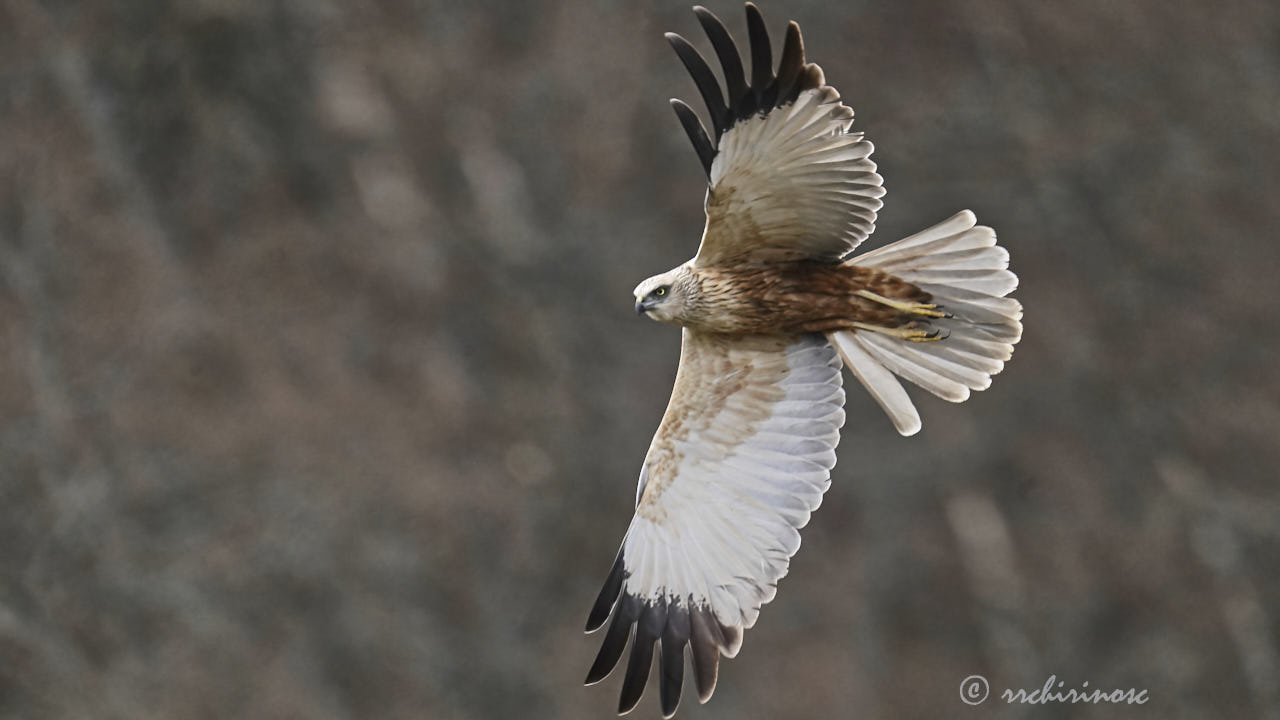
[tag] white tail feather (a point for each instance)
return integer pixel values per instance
(881, 383)
(960, 265)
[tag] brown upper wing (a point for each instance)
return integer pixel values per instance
(787, 181)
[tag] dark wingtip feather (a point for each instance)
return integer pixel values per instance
(732, 639)
(761, 53)
(739, 100)
(706, 651)
(706, 81)
(674, 638)
(649, 627)
(696, 132)
(791, 66)
(608, 595)
(727, 52)
(615, 641)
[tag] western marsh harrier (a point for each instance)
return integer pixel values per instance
(770, 307)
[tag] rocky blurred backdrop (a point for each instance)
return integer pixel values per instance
(321, 395)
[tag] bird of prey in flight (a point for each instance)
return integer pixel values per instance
(771, 306)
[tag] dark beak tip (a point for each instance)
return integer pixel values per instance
(640, 308)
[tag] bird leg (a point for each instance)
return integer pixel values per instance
(908, 332)
(910, 308)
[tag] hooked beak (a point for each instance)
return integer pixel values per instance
(642, 307)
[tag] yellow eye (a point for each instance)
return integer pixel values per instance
(660, 292)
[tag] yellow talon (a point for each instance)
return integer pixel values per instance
(909, 334)
(911, 308)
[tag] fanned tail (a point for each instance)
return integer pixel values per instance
(960, 265)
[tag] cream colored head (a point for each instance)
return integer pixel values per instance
(667, 297)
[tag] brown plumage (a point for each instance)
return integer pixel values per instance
(771, 307)
(796, 297)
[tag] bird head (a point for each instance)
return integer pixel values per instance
(665, 297)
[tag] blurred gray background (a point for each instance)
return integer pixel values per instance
(322, 396)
